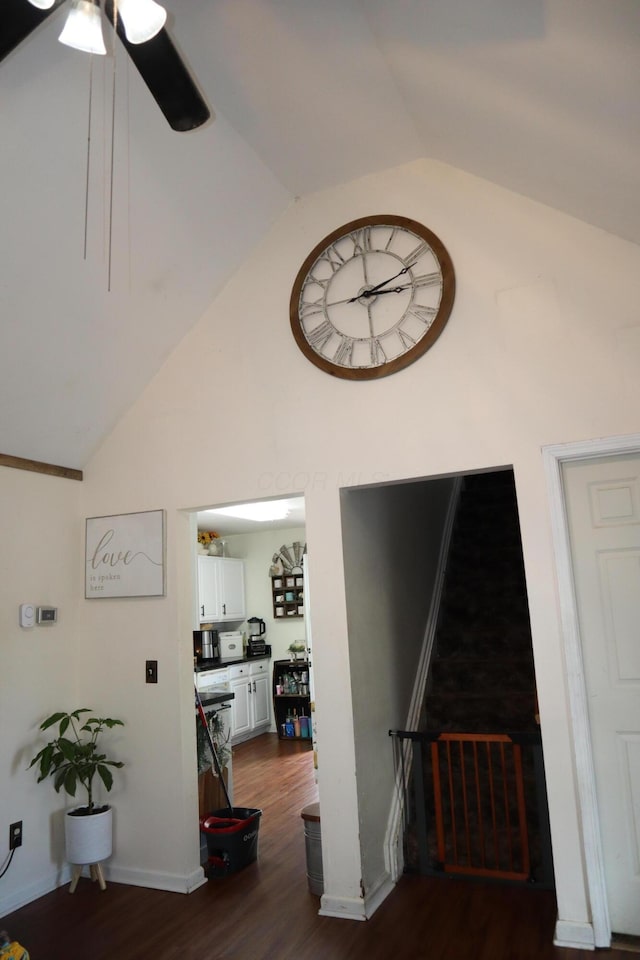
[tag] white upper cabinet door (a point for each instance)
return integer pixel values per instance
(232, 588)
(208, 590)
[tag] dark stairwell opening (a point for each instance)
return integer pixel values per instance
(478, 755)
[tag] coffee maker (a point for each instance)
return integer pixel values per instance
(206, 645)
(256, 645)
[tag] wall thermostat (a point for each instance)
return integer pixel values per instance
(47, 614)
(27, 614)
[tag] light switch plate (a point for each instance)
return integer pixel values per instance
(151, 671)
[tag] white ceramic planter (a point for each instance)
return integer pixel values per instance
(89, 839)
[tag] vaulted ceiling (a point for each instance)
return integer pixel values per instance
(538, 96)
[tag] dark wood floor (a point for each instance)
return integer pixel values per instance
(265, 911)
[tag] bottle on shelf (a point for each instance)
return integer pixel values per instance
(288, 726)
(296, 724)
(304, 726)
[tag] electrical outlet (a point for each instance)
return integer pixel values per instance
(15, 835)
(152, 671)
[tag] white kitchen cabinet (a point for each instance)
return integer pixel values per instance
(251, 706)
(232, 588)
(220, 589)
(259, 675)
(241, 710)
(208, 592)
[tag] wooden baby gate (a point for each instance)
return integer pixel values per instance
(479, 805)
(468, 800)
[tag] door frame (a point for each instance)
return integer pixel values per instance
(554, 456)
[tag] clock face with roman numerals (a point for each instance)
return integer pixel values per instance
(372, 297)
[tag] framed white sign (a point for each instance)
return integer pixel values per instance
(125, 555)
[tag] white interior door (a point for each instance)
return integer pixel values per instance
(603, 512)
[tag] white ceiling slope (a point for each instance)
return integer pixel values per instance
(539, 96)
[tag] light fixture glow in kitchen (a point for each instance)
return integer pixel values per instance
(83, 27)
(142, 19)
(261, 512)
(42, 4)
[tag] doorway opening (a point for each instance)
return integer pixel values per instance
(438, 646)
(241, 630)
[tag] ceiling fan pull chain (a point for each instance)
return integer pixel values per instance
(86, 189)
(113, 124)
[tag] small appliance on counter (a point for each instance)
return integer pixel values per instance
(256, 645)
(206, 645)
(231, 645)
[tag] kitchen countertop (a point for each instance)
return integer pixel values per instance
(214, 695)
(219, 664)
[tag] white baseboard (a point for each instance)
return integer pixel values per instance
(173, 882)
(578, 936)
(352, 908)
(346, 908)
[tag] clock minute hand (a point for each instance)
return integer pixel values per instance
(374, 290)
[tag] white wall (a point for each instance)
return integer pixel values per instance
(40, 546)
(543, 346)
(392, 538)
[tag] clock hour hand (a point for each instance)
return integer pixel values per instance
(373, 290)
(378, 293)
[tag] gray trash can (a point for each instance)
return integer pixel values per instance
(313, 847)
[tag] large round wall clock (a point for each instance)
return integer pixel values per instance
(372, 297)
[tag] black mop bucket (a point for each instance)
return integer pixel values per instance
(232, 839)
(232, 833)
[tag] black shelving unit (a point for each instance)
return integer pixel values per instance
(291, 699)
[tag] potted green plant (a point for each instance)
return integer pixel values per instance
(72, 758)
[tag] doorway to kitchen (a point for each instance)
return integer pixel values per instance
(250, 613)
